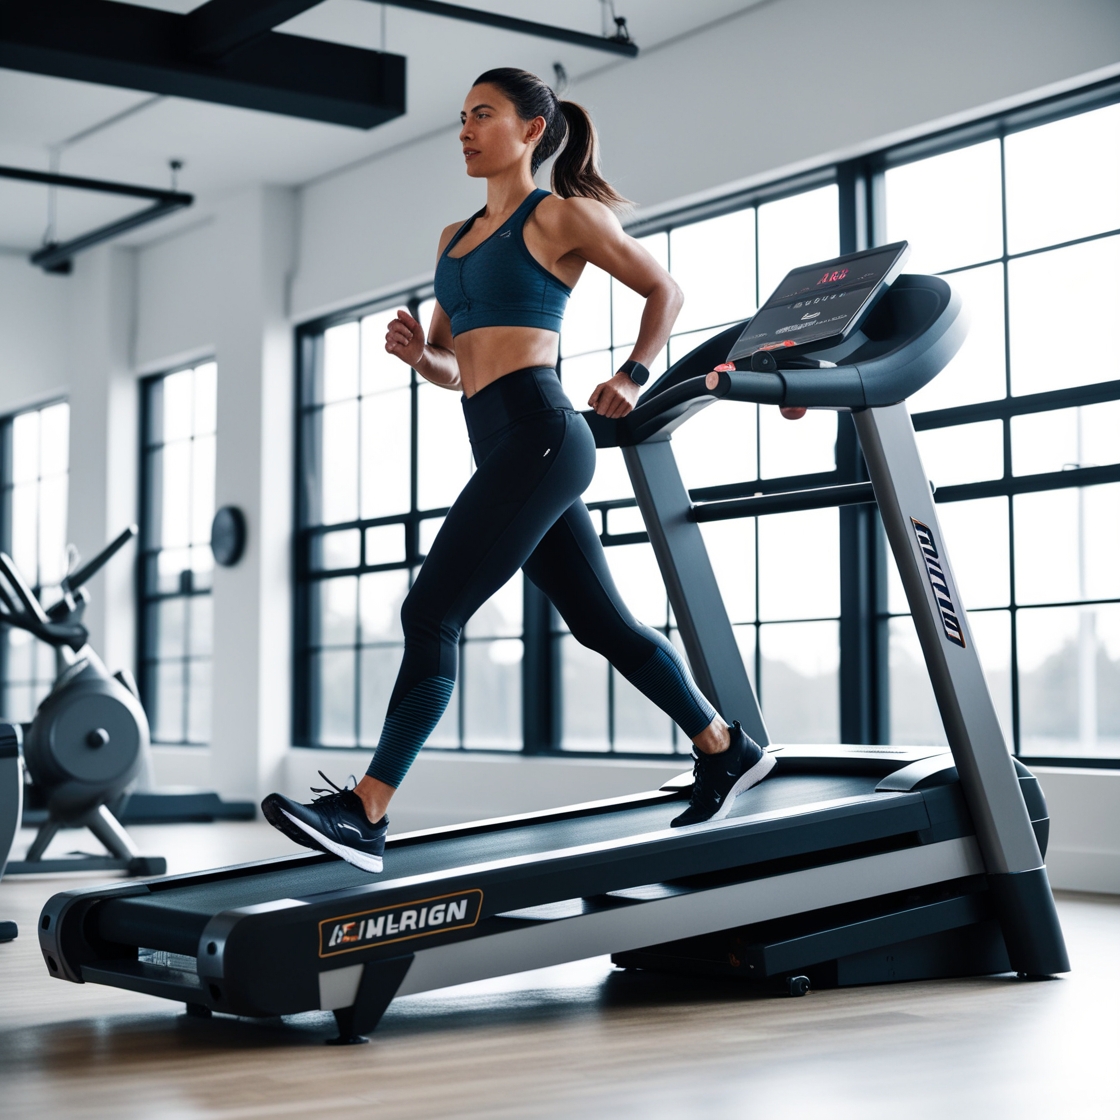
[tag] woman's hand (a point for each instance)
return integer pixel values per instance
(405, 339)
(615, 398)
(792, 413)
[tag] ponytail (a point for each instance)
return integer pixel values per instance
(575, 174)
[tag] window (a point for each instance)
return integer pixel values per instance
(1021, 433)
(786, 617)
(176, 566)
(34, 465)
(384, 454)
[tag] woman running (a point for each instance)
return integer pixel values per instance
(502, 281)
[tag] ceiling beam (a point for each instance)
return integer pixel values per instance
(144, 48)
(621, 43)
(221, 26)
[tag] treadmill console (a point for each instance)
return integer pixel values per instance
(819, 305)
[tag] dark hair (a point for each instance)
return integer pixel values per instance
(576, 170)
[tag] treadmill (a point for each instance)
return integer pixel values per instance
(848, 865)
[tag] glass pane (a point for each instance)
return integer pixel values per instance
(168, 724)
(445, 453)
(612, 479)
(205, 399)
(584, 697)
(795, 231)
(202, 489)
(979, 371)
(380, 596)
(25, 531)
(52, 529)
(1066, 544)
(340, 550)
(176, 498)
(1043, 442)
(948, 207)
(340, 462)
(198, 701)
(799, 565)
(340, 362)
(54, 451)
(639, 582)
(581, 375)
(1056, 299)
(587, 322)
(680, 346)
(386, 453)
(789, 447)
(201, 610)
(424, 315)
(713, 262)
(492, 680)
(801, 681)
(964, 453)
(500, 615)
(379, 673)
(178, 405)
(914, 717)
(746, 638)
(730, 546)
(336, 605)
(627, 519)
(626, 305)
(639, 724)
(429, 528)
(718, 445)
(169, 619)
(25, 447)
(20, 703)
(385, 544)
(1061, 180)
(171, 563)
(976, 540)
(202, 566)
(333, 673)
(381, 371)
(991, 631)
(1069, 681)
(21, 655)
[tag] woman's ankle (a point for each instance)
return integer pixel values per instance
(374, 796)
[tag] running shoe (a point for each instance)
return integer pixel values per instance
(717, 779)
(334, 822)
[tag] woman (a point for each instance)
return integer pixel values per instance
(502, 281)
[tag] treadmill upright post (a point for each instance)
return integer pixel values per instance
(376, 989)
(1017, 876)
(694, 594)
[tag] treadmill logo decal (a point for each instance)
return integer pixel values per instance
(402, 922)
(950, 617)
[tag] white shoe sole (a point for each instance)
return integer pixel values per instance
(750, 778)
(372, 864)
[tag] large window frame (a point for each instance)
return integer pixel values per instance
(864, 564)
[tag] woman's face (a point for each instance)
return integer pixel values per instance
(493, 136)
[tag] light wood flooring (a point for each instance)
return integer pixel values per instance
(577, 1040)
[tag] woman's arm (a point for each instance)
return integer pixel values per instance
(596, 235)
(434, 360)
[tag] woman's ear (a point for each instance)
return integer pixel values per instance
(536, 129)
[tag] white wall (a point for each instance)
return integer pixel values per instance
(33, 333)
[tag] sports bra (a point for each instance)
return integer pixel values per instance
(499, 283)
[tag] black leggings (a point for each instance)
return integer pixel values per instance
(521, 509)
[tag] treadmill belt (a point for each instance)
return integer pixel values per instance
(186, 908)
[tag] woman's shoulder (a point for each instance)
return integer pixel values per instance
(573, 214)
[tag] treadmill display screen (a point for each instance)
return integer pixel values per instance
(821, 302)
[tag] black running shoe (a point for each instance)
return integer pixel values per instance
(719, 778)
(335, 822)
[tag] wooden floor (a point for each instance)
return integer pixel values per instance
(577, 1040)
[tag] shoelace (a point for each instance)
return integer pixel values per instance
(334, 791)
(697, 778)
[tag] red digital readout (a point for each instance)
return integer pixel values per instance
(833, 276)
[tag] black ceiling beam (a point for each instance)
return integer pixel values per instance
(221, 26)
(144, 48)
(617, 44)
(58, 257)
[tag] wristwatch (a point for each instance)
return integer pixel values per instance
(635, 371)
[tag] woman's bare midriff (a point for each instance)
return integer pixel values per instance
(488, 353)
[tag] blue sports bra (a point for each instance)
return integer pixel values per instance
(499, 283)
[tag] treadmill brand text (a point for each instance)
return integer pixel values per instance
(402, 922)
(950, 616)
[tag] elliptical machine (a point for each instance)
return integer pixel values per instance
(89, 740)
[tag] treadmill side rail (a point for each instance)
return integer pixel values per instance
(987, 772)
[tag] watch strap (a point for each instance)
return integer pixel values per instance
(635, 371)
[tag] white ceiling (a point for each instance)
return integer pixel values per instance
(225, 149)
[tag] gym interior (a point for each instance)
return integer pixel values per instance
(216, 489)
